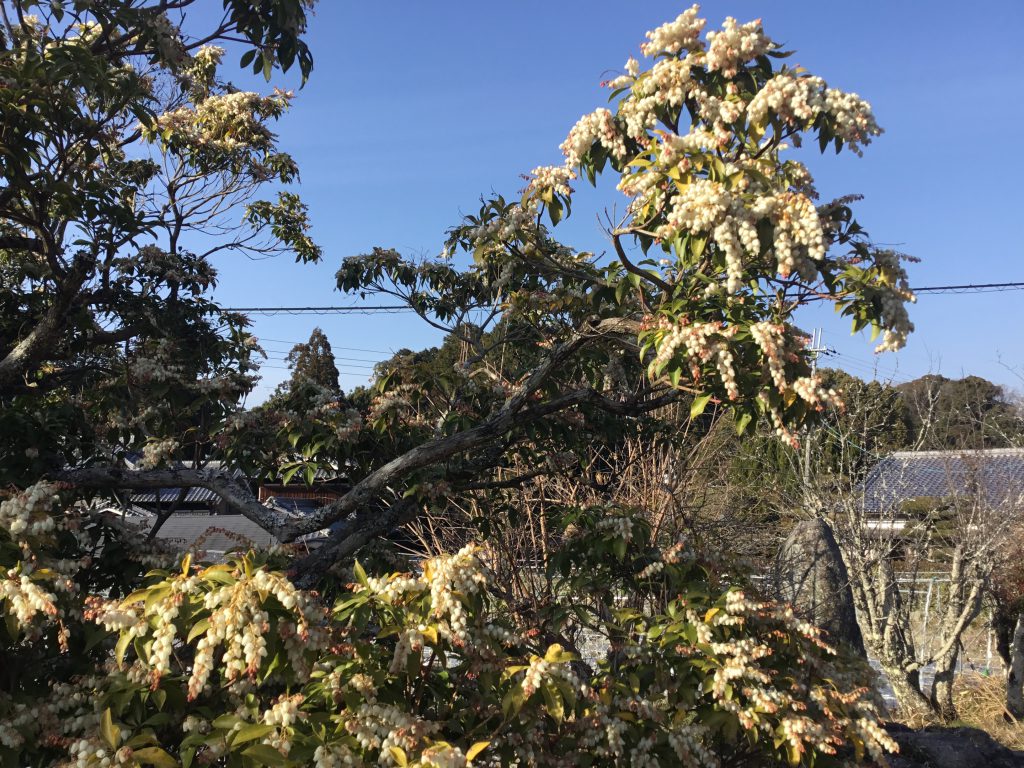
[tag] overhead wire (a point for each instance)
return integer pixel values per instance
(391, 308)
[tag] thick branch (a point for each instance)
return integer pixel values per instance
(236, 495)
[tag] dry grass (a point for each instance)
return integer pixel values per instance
(980, 703)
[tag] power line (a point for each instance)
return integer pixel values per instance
(364, 310)
(337, 310)
(351, 362)
(333, 346)
(971, 288)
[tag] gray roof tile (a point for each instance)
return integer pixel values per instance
(996, 474)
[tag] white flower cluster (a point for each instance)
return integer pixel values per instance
(382, 726)
(854, 121)
(410, 641)
(540, 670)
(392, 588)
(442, 756)
(238, 620)
(599, 126)
(621, 527)
(553, 178)
(698, 208)
(667, 84)
(703, 342)
(800, 730)
(28, 513)
(894, 293)
(810, 390)
(793, 99)
(518, 223)
(223, 122)
(799, 235)
(157, 451)
(163, 616)
(115, 616)
(26, 599)
(876, 738)
(735, 45)
(283, 715)
(771, 338)
(450, 577)
(335, 756)
(687, 741)
(90, 753)
(676, 36)
(799, 99)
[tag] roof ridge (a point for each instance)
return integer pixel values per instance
(953, 453)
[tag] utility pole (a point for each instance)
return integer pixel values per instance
(815, 349)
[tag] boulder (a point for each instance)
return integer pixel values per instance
(810, 574)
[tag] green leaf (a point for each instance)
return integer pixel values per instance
(264, 754)
(699, 404)
(154, 756)
(619, 547)
(251, 732)
(122, 646)
(553, 701)
(475, 750)
(555, 212)
(198, 629)
(742, 422)
(111, 733)
(360, 574)
(398, 755)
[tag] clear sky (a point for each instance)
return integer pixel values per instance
(415, 109)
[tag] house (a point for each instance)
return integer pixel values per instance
(203, 522)
(907, 483)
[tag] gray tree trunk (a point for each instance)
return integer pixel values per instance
(942, 686)
(1015, 673)
(906, 687)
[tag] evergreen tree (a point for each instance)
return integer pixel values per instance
(313, 362)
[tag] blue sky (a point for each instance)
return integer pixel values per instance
(416, 109)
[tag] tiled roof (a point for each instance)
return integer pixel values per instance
(170, 495)
(219, 533)
(996, 475)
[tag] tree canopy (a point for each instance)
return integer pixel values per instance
(140, 162)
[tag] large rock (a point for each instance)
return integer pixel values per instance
(810, 574)
(937, 747)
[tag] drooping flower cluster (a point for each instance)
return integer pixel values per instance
(449, 578)
(599, 126)
(735, 45)
(28, 513)
(676, 36)
(702, 343)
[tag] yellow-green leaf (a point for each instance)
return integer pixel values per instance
(111, 733)
(154, 756)
(475, 750)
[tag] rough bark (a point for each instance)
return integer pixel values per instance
(942, 687)
(1015, 673)
(884, 621)
(906, 687)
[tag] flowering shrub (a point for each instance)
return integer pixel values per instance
(231, 663)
